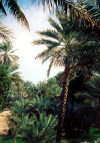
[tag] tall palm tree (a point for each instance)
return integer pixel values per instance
(85, 12)
(7, 56)
(14, 8)
(68, 47)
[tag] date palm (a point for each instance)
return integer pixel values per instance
(5, 33)
(9, 59)
(15, 76)
(68, 47)
(7, 56)
(84, 12)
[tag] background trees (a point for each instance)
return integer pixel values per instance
(7, 56)
(5, 83)
(9, 74)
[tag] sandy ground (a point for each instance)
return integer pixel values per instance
(5, 123)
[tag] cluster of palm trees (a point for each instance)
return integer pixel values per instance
(73, 42)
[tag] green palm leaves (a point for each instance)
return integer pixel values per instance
(9, 59)
(5, 33)
(7, 56)
(54, 40)
(14, 8)
(69, 46)
(31, 120)
(82, 13)
(63, 43)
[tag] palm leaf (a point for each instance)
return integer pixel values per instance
(5, 33)
(78, 12)
(50, 66)
(16, 11)
(55, 25)
(50, 43)
(50, 33)
(2, 9)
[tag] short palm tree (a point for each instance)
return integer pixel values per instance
(7, 56)
(9, 59)
(15, 76)
(5, 33)
(67, 47)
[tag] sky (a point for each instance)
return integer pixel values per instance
(30, 68)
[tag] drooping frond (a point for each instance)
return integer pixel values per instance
(16, 78)
(98, 3)
(49, 43)
(50, 34)
(72, 48)
(7, 56)
(82, 16)
(50, 66)
(80, 13)
(55, 25)
(2, 9)
(15, 9)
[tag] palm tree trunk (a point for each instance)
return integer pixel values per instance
(63, 106)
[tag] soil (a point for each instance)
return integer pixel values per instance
(5, 122)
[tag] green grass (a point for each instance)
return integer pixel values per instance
(7, 140)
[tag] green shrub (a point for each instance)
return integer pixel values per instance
(35, 130)
(31, 120)
(5, 83)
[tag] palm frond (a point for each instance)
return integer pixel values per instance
(7, 54)
(49, 43)
(98, 3)
(40, 55)
(78, 12)
(50, 34)
(15, 9)
(2, 9)
(5, 33)
(82, 15)
(16, 78)
(55, 25)
(50, 66)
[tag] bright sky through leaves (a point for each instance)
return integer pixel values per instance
(30, 68)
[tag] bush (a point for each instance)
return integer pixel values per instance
(32, 122)
(5, 83)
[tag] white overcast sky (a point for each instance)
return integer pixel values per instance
(30, 68)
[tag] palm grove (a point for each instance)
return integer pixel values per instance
(73, 42)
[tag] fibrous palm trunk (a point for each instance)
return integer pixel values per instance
(63, 106)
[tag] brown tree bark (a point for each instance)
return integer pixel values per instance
(63, 106)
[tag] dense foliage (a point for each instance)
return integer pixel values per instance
(32, 122)
(5, 83)
(70, 44)
(39, 108)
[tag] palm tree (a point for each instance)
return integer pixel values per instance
(14, 8)
(15, 76)
(84, 12)
(9, 59)
(7, 56)
(68, 47)
(5, 33)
